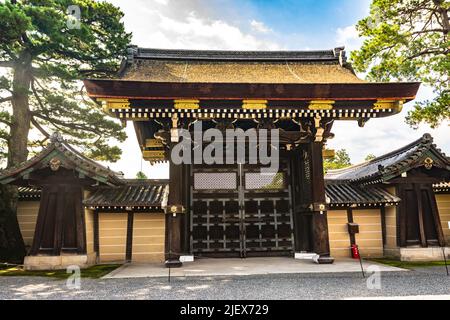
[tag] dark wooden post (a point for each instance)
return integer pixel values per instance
(129, 244)
(321, 245)
(60, 225)
(174, 212)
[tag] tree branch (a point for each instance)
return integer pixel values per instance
(5, 99)
(9, 124)
(39, 127)
(6, 64)
(428, 51)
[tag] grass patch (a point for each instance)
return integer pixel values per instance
(410, 264)
(93, 272)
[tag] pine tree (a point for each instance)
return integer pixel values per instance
(46, 47)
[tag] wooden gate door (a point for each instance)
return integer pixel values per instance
(237, 212)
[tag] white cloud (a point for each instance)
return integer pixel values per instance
(348, 36)
(382, 135)
(186, 25)
(259, 26)
(180, 25)
(193, 24)
(163, 2)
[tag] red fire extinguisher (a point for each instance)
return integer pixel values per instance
(355, 251)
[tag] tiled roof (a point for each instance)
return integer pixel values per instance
(68, 157)
(207, 66)
(134, 193)
(392, 163)
(347, 194)
(224, 55)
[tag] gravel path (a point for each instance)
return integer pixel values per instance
(424, 281)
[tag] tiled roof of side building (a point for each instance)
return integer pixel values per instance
(392, 163)
(66, 156)
(347, 194)
(133, 193)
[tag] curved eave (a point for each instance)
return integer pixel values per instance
(102, 88)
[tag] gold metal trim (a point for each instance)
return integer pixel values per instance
(396, 105)
(186, 104)
(153, 155)
(321, 104)
(114, 103)
(328, 153)
(254, 104)
(153, 143)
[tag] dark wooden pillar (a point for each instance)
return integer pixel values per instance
(174, 211)
(321, 245)
(129, 244)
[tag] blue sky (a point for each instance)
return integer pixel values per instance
(311, 22)
(265, 25)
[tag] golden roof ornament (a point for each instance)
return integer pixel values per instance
(428, 163)
(55, 163)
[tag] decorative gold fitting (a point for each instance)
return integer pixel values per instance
(328, 153)
(321, 105)
(319, 129)
(254, 104)
(54, 163)
(153, 155)
(186, 104)
(153, 143)
(114, 103)
(174, 209)
(428, 163)
(396, 105)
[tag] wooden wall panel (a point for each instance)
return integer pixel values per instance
(370, 238)
(338, 233)
(89, 220)
(112, 236)
(27, 212)
(391, 227)
(148, 237)
(443, 204)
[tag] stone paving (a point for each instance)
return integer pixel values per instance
(242, 267)
(430, 284)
